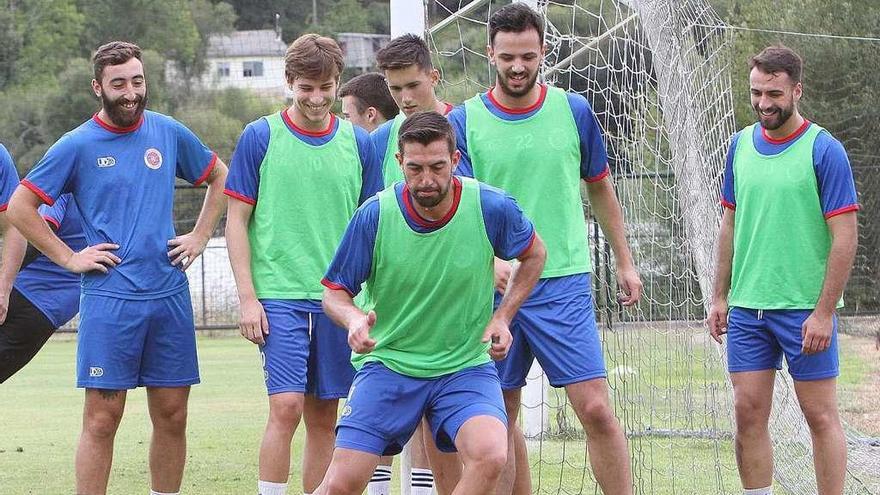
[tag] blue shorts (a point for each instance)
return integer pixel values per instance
(305, 352)
(562, 334)
(128, 343)
(384, 407)
(757, 341)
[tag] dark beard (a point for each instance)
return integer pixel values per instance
(502, 82)
(778, 120)
(118, 116)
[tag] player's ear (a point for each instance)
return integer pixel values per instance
(456, 158)
(798, 91)
(435, 76)
(399, 157)
(96, 87)
(372, 114)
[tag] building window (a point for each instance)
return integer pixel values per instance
(223, 69)
(252, 69)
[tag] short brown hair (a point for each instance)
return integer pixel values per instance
(515, 18)
(425, 128)
(313, 56)
(370, 90)
(403, 51)
(114, 53)
(779, 58)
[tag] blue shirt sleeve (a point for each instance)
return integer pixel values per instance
(594, 156)
(380, 137)
(54, 173)
(837, 190)
(243, 181)
(509, 231)
(194, 159)
(728, 198)
(55, 214)
(371, 168)
(353, 260)
(8, 177)
(458, 118)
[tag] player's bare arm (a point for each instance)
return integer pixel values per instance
(253, 323)
(520, 286)
(24, 216)
(817, 329)
(717, 320)
(608, 213)
(14, 247)
(187, 247)
(339, 306)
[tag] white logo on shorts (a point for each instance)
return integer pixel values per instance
(346, 411)
(153, 159)
(96, 371)
(106, 161)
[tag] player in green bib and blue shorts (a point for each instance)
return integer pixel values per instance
(296, 178)
(539, 143)
(424, 247)
(786, 246)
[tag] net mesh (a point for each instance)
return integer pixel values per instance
(658, 76)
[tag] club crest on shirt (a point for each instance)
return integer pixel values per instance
(153, 158)
(106, 161)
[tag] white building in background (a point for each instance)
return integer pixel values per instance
(360, 49)
(251, 60)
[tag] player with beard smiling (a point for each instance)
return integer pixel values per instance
(785, 249)
(136, 324)
(539, 143)
(297, 177)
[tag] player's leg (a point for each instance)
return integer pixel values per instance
(22, 335)
(102, 412)
(329, 378)
(522, 484)
(431, 468)
(168, 410)
(285, 357)
(320, 421)
(466, 413)
(169, 367)
(349, 472)
(380, 482)
(108, 360)
(753, 355)
(815, 383)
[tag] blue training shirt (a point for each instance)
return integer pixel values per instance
(594, 167)
(123, 183)
(52, 289)
(837, 190)
(243, 182)
(8, 177)
(508, 230)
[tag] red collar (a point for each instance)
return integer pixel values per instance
(791, 137)
(304, 132)
(433, 224)
(118, 130)
(519, 111)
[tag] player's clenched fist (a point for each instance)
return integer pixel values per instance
(498, 333)
(97, 257)
(359, 334)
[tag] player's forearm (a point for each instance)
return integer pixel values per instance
(239, 248)
(25, 217)
(607, 210)
(14, 247)
(724, 257)
(523, 280)
(339, 306)
(215, 202)
(840, 261)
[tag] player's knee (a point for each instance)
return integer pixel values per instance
(102, 424)
(322, 420)
(596, 416)
(337, 484)
(751, 414)
(285, 409)
(170, 419)
(490, 461)
(821, 420)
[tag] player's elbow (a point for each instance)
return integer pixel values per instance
(536, 253)
(22, 205)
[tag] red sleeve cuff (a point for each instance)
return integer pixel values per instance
(51, 220)
(334, 286)
(207, 171)
(39, 192)
(728, 205)
(240, 197)
(531, 243)
(840, 211)
(3, 207)
(600, 176)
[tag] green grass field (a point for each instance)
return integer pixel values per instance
(40, 420)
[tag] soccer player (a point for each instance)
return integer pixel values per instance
(406, 62)
(538, 143)
(44, 296)
(13, 243)
(785, 249)
(136, 326)
(424, 248)
(367, 102)
(296, 179)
